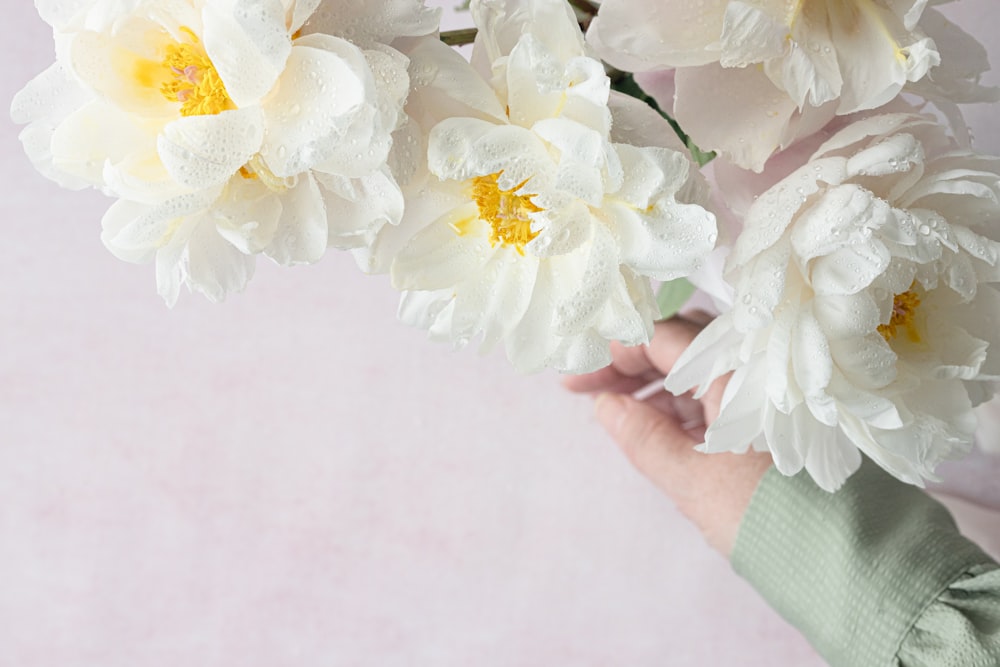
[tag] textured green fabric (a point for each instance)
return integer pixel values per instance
(961, 628)
(873, 575)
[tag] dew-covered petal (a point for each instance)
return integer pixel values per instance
(562, 227)
(713, 353)
(585, 352)
(586, 162)
(443, 254)
(750, 35)
(783, 439)
(299, 12)
(532, 342)
(495, 300)
(629, 311)
(748, 139)
(301, 236)
(503, 24)
(636, 123)
(43, 104)
(831, 458)
(878, 46)
(591, 271)
(326, 87)
(247, 215)
(445, 86)
(638, 36)
(204, 151)
(126, 69)
(462, 148)
(249, 44)
(374, 21)
(99, 135)
(200, 258)
(357, 208)
(741, 418)
(132, 229)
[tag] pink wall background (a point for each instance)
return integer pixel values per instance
(294, 478)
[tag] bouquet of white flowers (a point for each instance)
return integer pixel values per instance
(531, 196)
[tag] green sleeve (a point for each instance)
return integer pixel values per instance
(875, 574)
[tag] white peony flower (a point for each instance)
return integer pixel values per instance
(537, 225)
(754, 75)
(183, 107)
(866, 314)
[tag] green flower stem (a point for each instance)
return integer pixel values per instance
(459, 37)
(585, 6)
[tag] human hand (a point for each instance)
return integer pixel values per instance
(658, 435)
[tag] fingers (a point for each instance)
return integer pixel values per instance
(653, 440)
(634, 367)
(713, 490)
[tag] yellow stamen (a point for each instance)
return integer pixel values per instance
(193, 80)
(508, 213)
(257, 169)
(904, 308)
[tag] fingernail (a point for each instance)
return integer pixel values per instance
(609, 410)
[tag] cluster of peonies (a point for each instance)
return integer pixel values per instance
(516, 198)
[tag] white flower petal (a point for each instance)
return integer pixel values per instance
(300, 12)
(638, 124)
(43, 104)
(462, 148)
(374, 21)
(131, 230)
(205, 151)
(712, 354)
(629, 312)
(97, 135)
(748, 139)
(301, 236)
(750, 35)
(247, 215)
(592, 273)
(503, 24)
(532, 342)
(249, 44)
(831, 458)
(326, 85)
(439, 257)
(809, 72)
(637, 36)
(741, 419)
(357, 208)
(812, 364)
(562, 227)
(783, 440)
(583, 353)
(585, 159)
(445, 86)
(209, 264)
(495, 299)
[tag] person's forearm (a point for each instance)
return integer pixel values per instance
(855, 571)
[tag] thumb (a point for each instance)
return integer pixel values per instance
(652, 440)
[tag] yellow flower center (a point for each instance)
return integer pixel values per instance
(508, 213)
(193, 80)
(904, 308)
